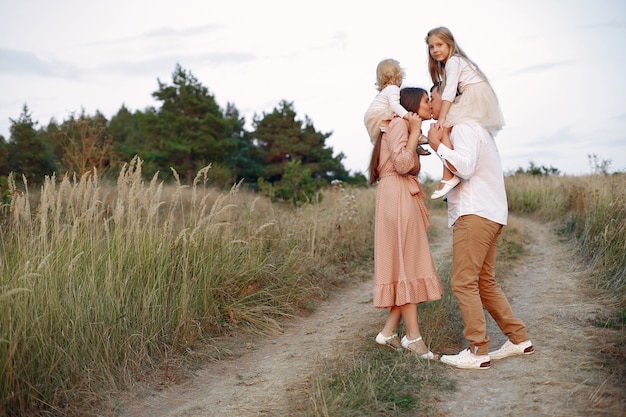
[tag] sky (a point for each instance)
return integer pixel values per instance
(557, 66)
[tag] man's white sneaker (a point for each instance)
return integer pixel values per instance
(467, 360)
(511, 349)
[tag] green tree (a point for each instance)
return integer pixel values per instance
(124, 132)
(541, 171)
(189, 129)
(134, 134)
(246, 161)
(48, 135)
(297, 185)
(318, 157)
(283, 139)
(4, 172)
(277, 134)
(4, 153)
(28, 154)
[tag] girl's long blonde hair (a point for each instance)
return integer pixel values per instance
(436, 68)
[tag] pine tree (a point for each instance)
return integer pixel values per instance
(189, 128)
(283, 139)
(28, 154)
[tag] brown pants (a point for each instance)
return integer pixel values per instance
(474, 285)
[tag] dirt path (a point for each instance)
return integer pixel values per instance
(563, 377)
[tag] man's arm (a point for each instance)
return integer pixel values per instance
(435, 136)
(463, 158)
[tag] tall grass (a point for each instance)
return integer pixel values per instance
(591, 210)
(100, 284)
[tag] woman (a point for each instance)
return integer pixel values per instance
(404, 271)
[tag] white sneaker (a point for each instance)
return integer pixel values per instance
(467, 360)
(511, 349)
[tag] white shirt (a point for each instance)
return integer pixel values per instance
(477, 160)
(459, 73)
(389, 99)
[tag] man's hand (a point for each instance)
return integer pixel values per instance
(434, 137)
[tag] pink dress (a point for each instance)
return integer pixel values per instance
(404, 271)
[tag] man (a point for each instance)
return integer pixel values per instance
(477, 211)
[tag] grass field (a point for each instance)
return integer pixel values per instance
(101, 283)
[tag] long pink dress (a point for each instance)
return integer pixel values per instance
(404, 271)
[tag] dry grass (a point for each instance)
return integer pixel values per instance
(591, 210)
(103, 283)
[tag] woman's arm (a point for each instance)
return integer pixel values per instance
(415, 130)
(403, 137)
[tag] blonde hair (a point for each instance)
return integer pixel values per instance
(436, 68)
(388, 72)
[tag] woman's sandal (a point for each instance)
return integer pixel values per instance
(391, 341)
(428, 355)
(448, 185)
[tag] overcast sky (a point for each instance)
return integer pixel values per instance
(558, 66)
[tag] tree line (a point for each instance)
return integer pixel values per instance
(186, 133)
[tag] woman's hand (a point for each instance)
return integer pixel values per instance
(415, 122)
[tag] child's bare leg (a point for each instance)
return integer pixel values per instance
(449, 180)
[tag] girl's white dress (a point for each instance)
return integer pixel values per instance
(477, 102)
